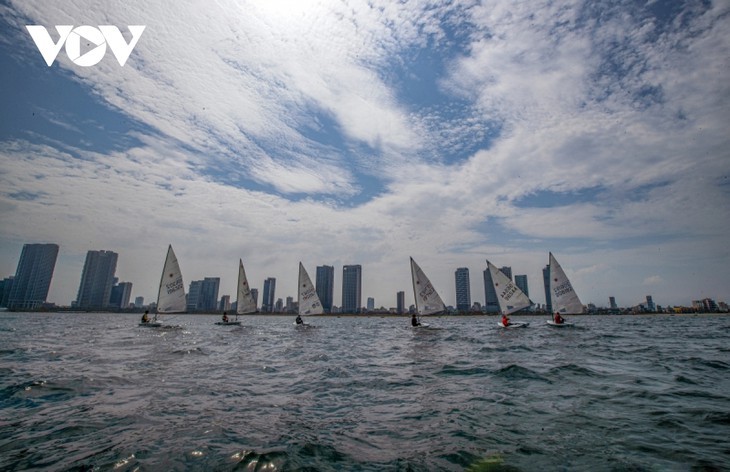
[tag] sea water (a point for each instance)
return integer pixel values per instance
(97, 392)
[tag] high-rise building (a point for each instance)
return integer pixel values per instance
(289, 304)
(401, 302)
(255, 295)
(325, 286)
(612, 302)
(507, 271)
(351, 288)
(463, 291)
(225, 303)
(120, 295)
(208, 300)
(33, 276)
(194, 294)
(371, 304)
(546, 284)
(650, 304)
(97, 279)
(267, 303)
(491, 304)
(139, 302)
(5, 286)
(521, 282)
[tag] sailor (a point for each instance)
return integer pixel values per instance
(559, 319)
(145, 318)
(505, 321)
(414, 321)
(299, 320)
(225, 317)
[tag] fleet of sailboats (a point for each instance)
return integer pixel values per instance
(171, 294)
(511, 298)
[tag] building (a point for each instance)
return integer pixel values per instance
(612, 303)
(255, 295)
(650, 304)
(97, 280)
(225, 303)
(193, 297)
(491, 304)
(371, 304)
(289, 304)
(120, 295)
(33, 276)
(546, 284)
(267, 303)
(351, 288)
(6, 285)
(279, 306)
(139, 302)
(521, 282)
(507, 271)
(463, 292)
(325, 286)
(208, 300)
(401, 301)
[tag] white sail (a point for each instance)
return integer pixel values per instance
(563, 297)
(428, 301)
(244, 299)
(307, 299)
(171, 296)
(511, 298)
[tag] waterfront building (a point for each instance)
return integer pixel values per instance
(612, 303)
(120, 295)
(279, 307)
(33, 276)
(521, 282)
(139, 302)
(267, 303)
(491, 304)
(371, 304)
(546, 284)
(650, 304)
(463, 291)
(289, 304)
(325, 286)
(97, 279)
(255, 295)
(194, 293)
(208, 300)
(225, 304)
(401, 302)
(351, 288)
(5, 285)
(507, 271)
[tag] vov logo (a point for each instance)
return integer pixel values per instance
(72, 37)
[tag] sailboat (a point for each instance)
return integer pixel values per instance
(428, 301)
(563, 297)
(245, 303)
(171, 294)
(307, 299)
(511, 298)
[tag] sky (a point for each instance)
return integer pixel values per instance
(352, 132)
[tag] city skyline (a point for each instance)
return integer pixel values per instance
(205, 294)
(338, 133)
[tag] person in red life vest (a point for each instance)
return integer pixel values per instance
(505, 321)
(559, 319)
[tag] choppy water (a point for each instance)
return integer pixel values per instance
(94, 391)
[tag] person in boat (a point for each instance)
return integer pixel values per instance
(505, 321)
(558, 319)
(414, 321)
(145, 318)
(299, 320)
(225, 317)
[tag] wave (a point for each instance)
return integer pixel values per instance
(516, 372)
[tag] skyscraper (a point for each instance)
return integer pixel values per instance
(507, 271)
(351, 288)
(5, 286)
(120, 295)
(491, 304)
(209, 294)
(546, 284)
(463, 291)
(267, 303)
(33, 276)
(255, 295)
(325, 286)
(612, 302)
(401, 302)
(371, 304)
(521, 282)
(97, 279)
(194, 293)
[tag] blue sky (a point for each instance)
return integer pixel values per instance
(339, 132)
